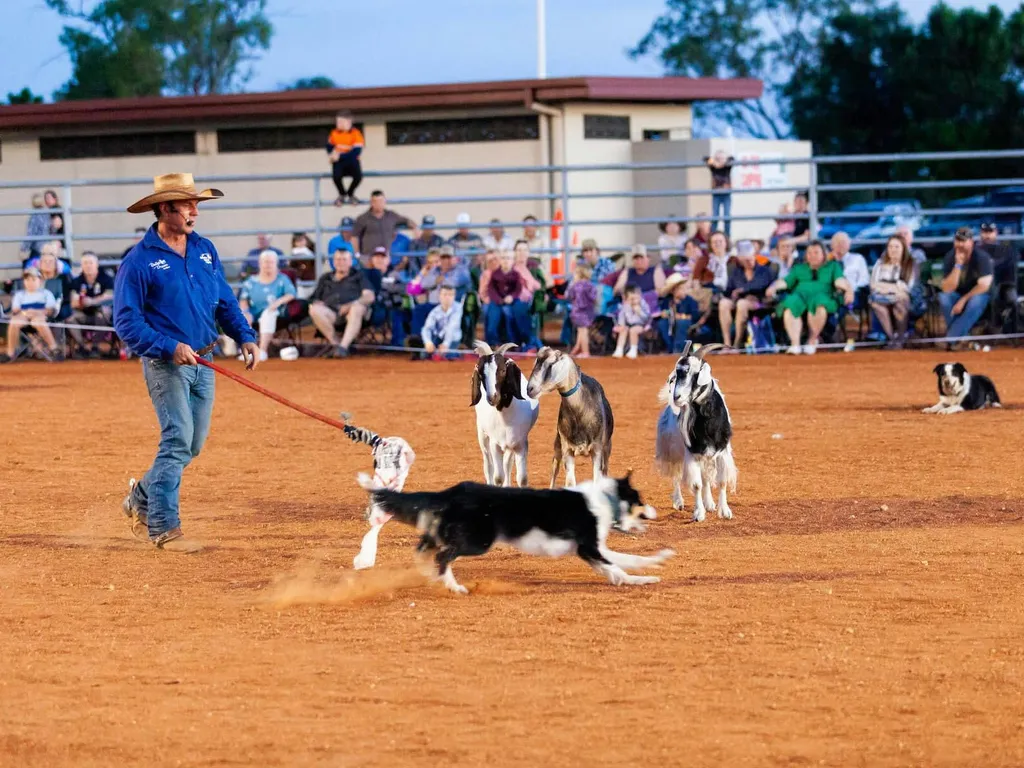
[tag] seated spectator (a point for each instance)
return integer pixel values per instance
(56, 280)
(744, 292)
(811, 292)
(537, 242)
(855, 267)
(418, 248)
(681, 313)
(303, 256)
(633, 320)
(464, 241)
(442, 331)
(496, 238)
(582, 297)
(389, 285)
(447, 272)
(702, 233)
(671, 240)
(966, 282)
(892, 280)
(51, 248)
(784, 257)
(1004, 271)
(92, 302)
(590, 254)
(251, 265)
(905, 232)
(785, 226)
(376, 228)
(801, 226)
(344, 146)
(491, 262)
(341, 241)
(712, 269)
(684, 263)
(37, 231)
(650, 280)
(503, 288)
(264, 298)
(400, 247)
(140, 232)
(32, 305)
(341, 294)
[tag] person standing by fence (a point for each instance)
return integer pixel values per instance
(344, 146)
(170, 295)
(720, 165)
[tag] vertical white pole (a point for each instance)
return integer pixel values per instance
(542, 59)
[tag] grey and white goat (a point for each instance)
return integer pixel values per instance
(504, 416)
(694, 441)
(585, 420)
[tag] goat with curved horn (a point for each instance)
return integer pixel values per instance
(699, 354)
(482, 348)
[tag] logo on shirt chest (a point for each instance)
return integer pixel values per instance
(206, 259)
(159, 264)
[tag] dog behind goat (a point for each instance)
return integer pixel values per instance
(468, 519)
(694, 439)
(961, 391)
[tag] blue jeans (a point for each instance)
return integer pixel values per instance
(398, 319)
(958, 326)
(721, 208)
(674, 337)
(182, 397)
(517, 322)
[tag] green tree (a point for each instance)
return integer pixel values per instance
(764, 39)
(122, 48)
(310, 83)
(24, 96)
(878, 85)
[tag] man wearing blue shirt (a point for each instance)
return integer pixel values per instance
(170, 295)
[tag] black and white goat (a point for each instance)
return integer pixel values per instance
(504, 417)
(694, 441)
(585, 421)
(469, 518)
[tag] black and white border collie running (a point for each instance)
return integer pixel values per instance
(694, 438)
(468, 519)
(961, 391)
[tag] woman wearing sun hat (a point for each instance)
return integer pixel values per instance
(170, 295)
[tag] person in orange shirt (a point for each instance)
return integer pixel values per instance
(345, 145)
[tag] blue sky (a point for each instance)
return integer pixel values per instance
(394, 42)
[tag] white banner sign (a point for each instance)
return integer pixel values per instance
(759, 171)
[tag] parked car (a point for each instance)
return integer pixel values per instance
(880, 219)
(936, 237)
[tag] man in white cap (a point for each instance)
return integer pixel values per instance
(170, 295)
(464, 241)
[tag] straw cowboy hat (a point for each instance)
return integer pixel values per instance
(173, 186)
(672, 281)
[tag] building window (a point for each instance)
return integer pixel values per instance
(655, 135)
(117, 145)
(605, 127)
(271, 138)
(473, 129)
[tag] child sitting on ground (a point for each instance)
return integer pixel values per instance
(582, 298)
(442, 330)
(634, 318)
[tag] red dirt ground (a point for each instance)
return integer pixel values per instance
(817, 628)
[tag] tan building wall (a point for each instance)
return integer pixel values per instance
(561, 141)
(765, 175)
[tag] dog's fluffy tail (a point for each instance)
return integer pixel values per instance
(406, 508)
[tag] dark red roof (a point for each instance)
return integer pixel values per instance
(507, 93)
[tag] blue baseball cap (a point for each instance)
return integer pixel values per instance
(346, 224)
(428, 222)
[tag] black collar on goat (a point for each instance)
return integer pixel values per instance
(507, 376)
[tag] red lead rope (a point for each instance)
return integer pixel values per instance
(267, 393)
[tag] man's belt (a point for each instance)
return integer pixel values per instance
(207, 349)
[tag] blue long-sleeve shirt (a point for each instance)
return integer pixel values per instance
(162, 299)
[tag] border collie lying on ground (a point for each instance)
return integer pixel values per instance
(469, 518)
(961, 391)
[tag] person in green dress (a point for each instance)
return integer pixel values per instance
(812, 290)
